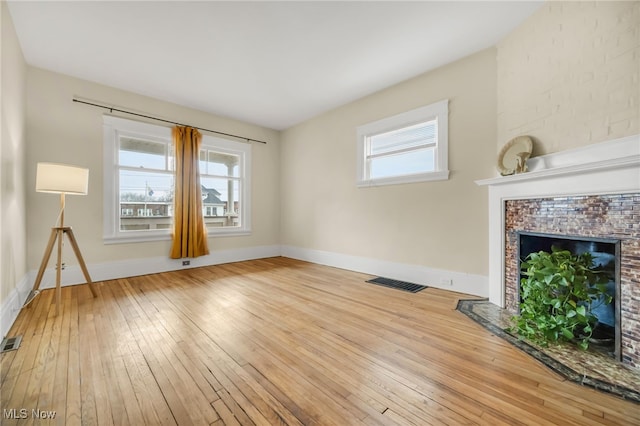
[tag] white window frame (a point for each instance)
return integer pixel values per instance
(116, 127)
(243, 151)
(439, 111)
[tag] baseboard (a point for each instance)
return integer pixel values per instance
(72, 274)
(477, 285)
(13, 303)
(461, 282)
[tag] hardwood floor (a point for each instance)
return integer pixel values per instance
(277, 341)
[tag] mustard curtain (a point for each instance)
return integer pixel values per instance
(189, 231)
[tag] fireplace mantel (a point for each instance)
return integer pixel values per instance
(611, 167)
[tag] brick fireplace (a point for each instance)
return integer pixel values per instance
(592, 192)
(615, 216)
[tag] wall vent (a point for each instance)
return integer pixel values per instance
(10, 344)
(400, 285)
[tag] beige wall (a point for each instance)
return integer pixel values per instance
(12, 150)
(434, 224)
(569, 76)
(60, 130)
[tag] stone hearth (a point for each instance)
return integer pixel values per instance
(588, 368)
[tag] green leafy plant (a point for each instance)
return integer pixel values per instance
(558, 291)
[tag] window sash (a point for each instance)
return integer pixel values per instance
(236, 184)
(402, 142)
(402, 151)
(403, 138)
(117, 129)
(420, 130)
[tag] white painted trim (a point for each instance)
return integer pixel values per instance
(611, 167)
(396, 180)
(613, 154)
(113, 129)
(72, 274)
(437, 110)
(13, 303)
(462, 282)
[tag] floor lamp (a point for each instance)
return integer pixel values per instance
(60, 179)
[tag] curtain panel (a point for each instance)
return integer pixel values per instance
(189, 232)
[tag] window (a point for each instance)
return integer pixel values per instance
(219, 174)
(139, 179)
(408, 147)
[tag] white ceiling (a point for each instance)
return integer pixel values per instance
(270, 63)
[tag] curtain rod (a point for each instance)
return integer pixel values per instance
(111, 109)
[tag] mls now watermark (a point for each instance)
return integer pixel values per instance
(23, 413)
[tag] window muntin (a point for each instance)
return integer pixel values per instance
(139, 182)
(408, 147)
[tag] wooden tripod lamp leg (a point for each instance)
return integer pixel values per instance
(83, 266)
(45, 260)
(60, 233)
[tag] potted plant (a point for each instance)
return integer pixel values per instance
(557, 292)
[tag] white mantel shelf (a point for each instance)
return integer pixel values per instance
(615, 154)
(577, 169)
(611, 167)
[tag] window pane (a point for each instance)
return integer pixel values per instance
(142, 153)
(146, 200)
(406, 137)
(220, 164)
(413, 162)
(217, 195)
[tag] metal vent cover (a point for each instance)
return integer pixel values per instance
(10, 344)
(400, 285)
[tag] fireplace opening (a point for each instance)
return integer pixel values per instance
(606, 254)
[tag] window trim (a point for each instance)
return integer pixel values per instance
(438, 110)
(115, 127)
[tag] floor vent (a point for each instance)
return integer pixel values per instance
(400, 285)
(10, 344)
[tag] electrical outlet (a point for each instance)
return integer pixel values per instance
(186, 262)
(446, 282)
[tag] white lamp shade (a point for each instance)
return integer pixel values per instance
(62, 178)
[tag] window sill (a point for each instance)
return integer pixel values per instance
(229, 233)
(396, 180)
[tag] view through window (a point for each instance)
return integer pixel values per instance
(143, 182)
(408, 147)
